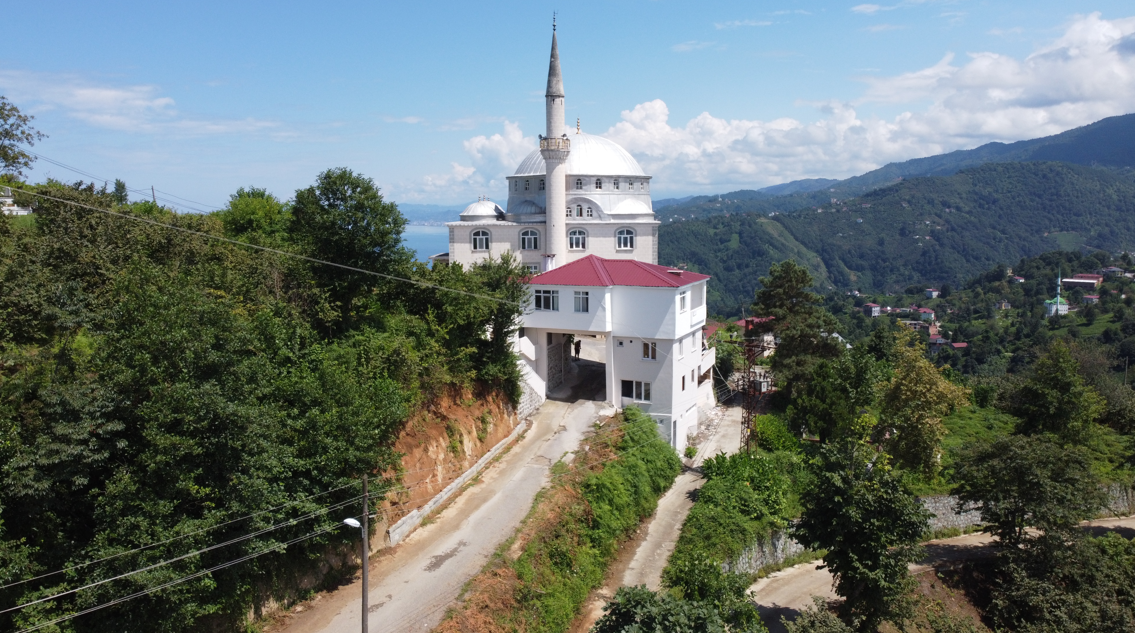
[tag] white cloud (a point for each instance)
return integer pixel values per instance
(138, 108)
(692, 45)
(733, 24)
(869, 8)
(1085, 75)
(493, 158)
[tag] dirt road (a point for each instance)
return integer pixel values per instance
(413, 585)
(662, 529)
(788, 592)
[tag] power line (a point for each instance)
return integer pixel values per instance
(177, 538)
(272, 250)
(180, 580)
(334, 506)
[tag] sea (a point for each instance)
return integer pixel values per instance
(426, 240)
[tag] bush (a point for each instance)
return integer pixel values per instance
(691, 452)
(771, 434)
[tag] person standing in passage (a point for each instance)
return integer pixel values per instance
(578, 344)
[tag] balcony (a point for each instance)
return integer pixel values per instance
(708, 359)
(556, 144)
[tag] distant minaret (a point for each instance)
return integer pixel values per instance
(1058, 287)
(555, 147)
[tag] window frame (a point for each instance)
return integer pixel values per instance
(649, 351)
(527, 183)
(579, 184)
(582, 300)
(616, 184)
(627, 233)
(546, 300)
(683, 303)
(581, 236)
(529, 240)
(478, 235)
(541, 184)
(598, 184)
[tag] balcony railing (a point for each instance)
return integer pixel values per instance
(560, 143)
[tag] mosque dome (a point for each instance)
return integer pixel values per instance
(590, 156)
(482, 210)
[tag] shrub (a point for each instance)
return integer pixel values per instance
(691, 452)
(771, 434)
(640, 610)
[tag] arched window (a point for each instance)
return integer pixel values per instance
(589, 212)
(526, 185)
(616, 184)
(598, 183)
(624, 239)
(480, 240)
(569, 212)
(529, 240)
(630, 185)
(541, 184)
(515, 185)
(579, 210)
(577, 239)
(579, 184)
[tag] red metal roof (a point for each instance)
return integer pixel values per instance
(597, 271)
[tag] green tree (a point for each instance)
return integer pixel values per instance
(913, 404)
(15, 132)
(804, 329)
(121, 195)
(640, 610)
(870, 524)
(344, 219)
(1055, 399)
(1020, 481)
(838, 393)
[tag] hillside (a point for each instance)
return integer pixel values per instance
(1108, 142)
(932, 230)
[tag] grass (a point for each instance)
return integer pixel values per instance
(973, 424)
(22, 222)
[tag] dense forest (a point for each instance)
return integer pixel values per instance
(162, 391)
(932, 230)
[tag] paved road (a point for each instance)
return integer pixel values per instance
(413, 585)
(662, 529)
(789, 591)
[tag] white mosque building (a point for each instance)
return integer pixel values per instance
(579, 216)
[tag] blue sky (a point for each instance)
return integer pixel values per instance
(437, 102)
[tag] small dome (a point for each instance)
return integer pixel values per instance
(481, 210)
(631, 207)
(525, 207)
(590, 156)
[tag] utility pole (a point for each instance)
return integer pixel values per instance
(366, 550)
(153, 195)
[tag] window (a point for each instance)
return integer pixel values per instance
(529, 240)
(577, 239)
(480, 240)
(579, 210)
(532, 268)
(579, 184)
(616, 184)
(588, 211)
(682, 301)
(515, 184)
(541, 184)
(681, 347)
(683, 383)
(630, 185)
(642, 185)
(569, 212)
(620, 343)
(526, 185)
(548, 300)
(598, 183)
(582, 301)
(636, 390)
(649, 351)
(624, 239)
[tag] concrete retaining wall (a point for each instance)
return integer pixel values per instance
(397, 532)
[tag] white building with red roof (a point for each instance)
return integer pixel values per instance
(650, 319)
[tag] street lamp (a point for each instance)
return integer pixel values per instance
(362, 526)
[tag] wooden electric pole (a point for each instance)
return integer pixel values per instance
(366, 550)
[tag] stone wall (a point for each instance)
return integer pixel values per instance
(944, 509)
(1120, 501)
(770, 550)
(530, 401)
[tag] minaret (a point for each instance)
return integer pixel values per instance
(555, 147)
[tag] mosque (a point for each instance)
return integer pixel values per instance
(579, 217)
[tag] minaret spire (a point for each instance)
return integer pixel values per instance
(555, 148)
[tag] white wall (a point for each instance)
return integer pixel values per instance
(597, 320)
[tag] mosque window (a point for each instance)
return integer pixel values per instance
(579, 184)
(624, 239)
(598, 183)
(616, 184)
(480, 240)
(579, 210)
(515, 185)
(630, 185)
(526, 185)
(642, 185)
(541, 184)
(529, 240)
(577, 239)
(569, 212)
(588, 211)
